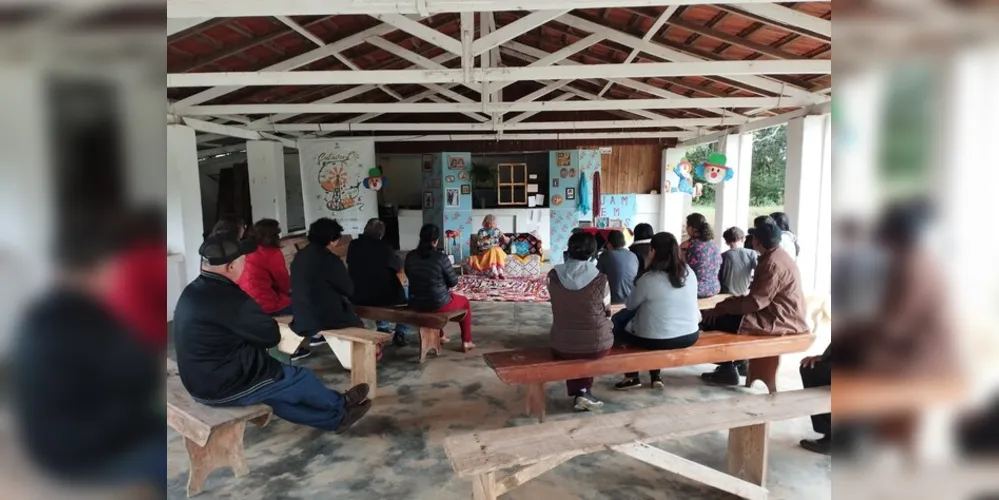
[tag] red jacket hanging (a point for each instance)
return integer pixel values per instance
(596, 194)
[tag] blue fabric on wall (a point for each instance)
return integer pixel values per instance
(583, 193)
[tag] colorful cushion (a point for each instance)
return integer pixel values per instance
(518, 266)
(521, 247)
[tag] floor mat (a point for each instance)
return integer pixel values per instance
(480, 288)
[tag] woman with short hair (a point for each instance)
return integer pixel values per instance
(490, 257)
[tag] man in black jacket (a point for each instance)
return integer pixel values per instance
(222, 337)
(374, 268)
(320, 285)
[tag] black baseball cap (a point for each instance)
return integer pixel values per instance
(223, 248)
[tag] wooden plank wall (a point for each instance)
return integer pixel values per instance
(631, 168)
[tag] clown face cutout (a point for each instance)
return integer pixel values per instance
(714, 170)
(375, 179)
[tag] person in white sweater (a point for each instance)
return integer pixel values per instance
(664, 303)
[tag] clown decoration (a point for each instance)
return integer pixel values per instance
(375, 179)
(714, 170)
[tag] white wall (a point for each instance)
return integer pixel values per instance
(210, 188)
(647, 208)
(404, 179)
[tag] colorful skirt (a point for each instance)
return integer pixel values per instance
(488, 260)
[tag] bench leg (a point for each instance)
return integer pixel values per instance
(430, 339)
(747, 453)
(536, 401)
(764, 369)
(363, 369)
(223, 449)
(484, 486)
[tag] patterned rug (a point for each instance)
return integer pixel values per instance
(482, 289)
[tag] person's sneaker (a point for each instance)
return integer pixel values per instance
(628, 383)
(317, 340)
(399, 340)
(657, 383)
(300, 353)
(586, 402)
(354, 413)
(822, 445)
(723, 375)
(743, 367)
(355, 395)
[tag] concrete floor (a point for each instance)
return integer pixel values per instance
(396, 450)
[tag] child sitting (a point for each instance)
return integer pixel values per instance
(737, 265)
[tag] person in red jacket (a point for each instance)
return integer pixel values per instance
(265, 275)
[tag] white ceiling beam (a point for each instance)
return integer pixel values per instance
(791, 17)
(176, 25)
(342, 96)
(529, 137)
(670, 69)
(232, 131)
(670, 54)
(295, 62)
(523, 116)
(422, 32)
(471, 127)
(234, 148)
(559, 55)
(289, 22)
(543, 91)
(262, 8)
(515, 29)
(656, 26)
(759, 123)
(506, 107)
(467, 44)
(406, 54)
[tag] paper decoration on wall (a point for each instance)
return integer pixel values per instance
(714, 170)
(557, 200)
(466, 189)
(684, 172)
(333, 172)
(463, 175)
(428, 199)
(449, 178)
(570, 193)
(572, 173)
(563, 173)
(603, 222)
(555, 183)
(620, 207)
(375, 179)
(456, 163)
(563, 159)
(451, 198)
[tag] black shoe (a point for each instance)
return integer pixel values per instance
(743, 367)
(399, 340)
(357, 394)
(586, 402)
(723, 375)
(317, 340)
(628, 383)
(657, 383)
(300, 353)
(354, 413)
(822, 445)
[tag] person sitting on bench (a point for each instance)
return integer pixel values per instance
(431, 277)
(775, 304)
(222, 335)
(816, 371)
(580, 297)
(374, 268)
(640, 247)
(664, 305)
(620, 265)
(321, 285)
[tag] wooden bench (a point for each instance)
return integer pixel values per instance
(213, 435)
(356, 348)
(536, 367)
(535, 449)
(430, 323)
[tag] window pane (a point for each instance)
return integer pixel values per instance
(505, 173)
(520, 194)
(520, 173)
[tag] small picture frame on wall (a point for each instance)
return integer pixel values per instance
(570, 193)
(428, 200)
(456, 163)
(562, 159)
(466, 189)
(451, 198)
(428, 163)
(603, 222)
(555, 182)
(436, 183)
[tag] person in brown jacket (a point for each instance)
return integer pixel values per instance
(581, 327)
(775, 304)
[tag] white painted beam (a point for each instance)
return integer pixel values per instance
(559, 55)
(674, 69)
(233, 131)
(457, 107)
(176, 25)
(791, 17)
(656, 26)
(422, 32)
(259, 8)
(468, 127)
(547, 89)
(529, 137)
(301, 30)
(406, 54)
(523, 116)
(467, 44)
(758, 124)
(515, 29)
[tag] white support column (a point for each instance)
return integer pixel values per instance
(674, 205)
(732, 197)
(185, 226)
(808, 155)
(265, 163)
